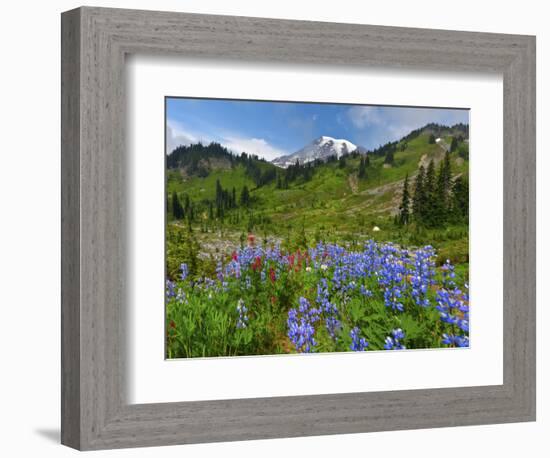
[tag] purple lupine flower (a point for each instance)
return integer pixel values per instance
(242, 321)
(170, 289)
(329, 310)
(358, 343)
(300, 326)
(393, 342)
(422, 275)
(184, 271)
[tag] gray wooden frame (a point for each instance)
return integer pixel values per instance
(95, 413)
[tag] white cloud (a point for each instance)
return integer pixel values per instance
(383, 124)
(257, 146)
(177, 134)
(362, 116)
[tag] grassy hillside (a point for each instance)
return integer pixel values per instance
(334, 203)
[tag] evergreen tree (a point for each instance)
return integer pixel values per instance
(429, 212)
(219, 192)
(367, 160)
(187, 205)
(342, 161)
(210, 211)
(431, 140)
(362, 168)
(454, 144)
(404, 212)
(190, 212)
(279, 181)
(389, 157)
(460, 201)
(191, 252)
(446, 173)
(443, 190)
(234, 197)
(419, 198)
(285, 184)
(177, 210)
(245, 197)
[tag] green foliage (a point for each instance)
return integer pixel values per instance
(245, 197)
(404, 211)
(182, 247)
(454, 144)
(248, 316)
(438, 200)
(389, 157)
(177, 209)
(362, 168)
(299, 207)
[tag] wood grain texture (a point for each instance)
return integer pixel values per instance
(95, 411)
(70, 229)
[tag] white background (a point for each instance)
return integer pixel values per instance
(155, 380)
(30, 246)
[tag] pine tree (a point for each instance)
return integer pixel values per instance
(454, 144)
(447, 172)
(429, 213)
(245, 196)
(444, 183)
(191, 251)
(279, 181)
(342, 162)
(460, 200)
(190, 212)
(389, 157)
(404, 212)
(431, 140)
(177, 210)
(419, 198)
(362, 168)
(210, 211)
(187, 205)
(219, 192)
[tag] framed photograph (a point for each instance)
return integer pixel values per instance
(279, 228)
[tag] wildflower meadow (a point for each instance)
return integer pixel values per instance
(327, 298)
(321, 232)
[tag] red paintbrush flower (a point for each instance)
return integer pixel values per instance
(272, 275)
(291, 260)
(257, 265)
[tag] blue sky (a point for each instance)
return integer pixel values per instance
(272, 129)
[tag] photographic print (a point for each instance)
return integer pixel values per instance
(296, 228)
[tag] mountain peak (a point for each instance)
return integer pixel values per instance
(321, 148)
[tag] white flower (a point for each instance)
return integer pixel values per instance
(308, 269)
(324, 267)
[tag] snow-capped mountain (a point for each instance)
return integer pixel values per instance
(321, 148)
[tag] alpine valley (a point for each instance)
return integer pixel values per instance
(331, 248)
(330, 190)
